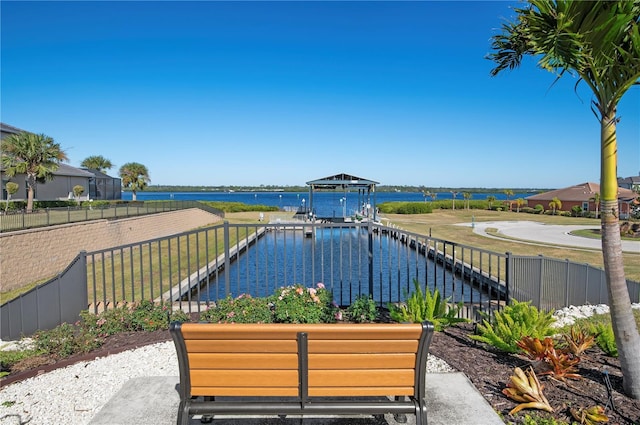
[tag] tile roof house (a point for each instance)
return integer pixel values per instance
(582, 195)
(65, 178)
(632, 183)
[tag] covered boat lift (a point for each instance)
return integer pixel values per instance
(366, 194)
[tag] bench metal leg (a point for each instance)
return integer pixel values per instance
(207, 419)
(183, 413)
(401, 418)
(421, 413)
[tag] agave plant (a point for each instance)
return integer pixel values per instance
(578, 340)
(590, 416)
(525, 388)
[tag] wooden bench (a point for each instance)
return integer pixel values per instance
(312, 369)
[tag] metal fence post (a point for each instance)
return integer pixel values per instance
(227, 261)
(508, 275)
(566, 282)
(370, 256)
(541, 257)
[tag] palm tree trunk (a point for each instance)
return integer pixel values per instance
(31, 183)
(624, 326)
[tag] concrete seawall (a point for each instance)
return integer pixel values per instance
(38, 254)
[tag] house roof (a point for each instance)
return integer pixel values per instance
(580, 192)
(342, 180)
(5, 128)
(632, 180)
(98, 174)
(68, 170)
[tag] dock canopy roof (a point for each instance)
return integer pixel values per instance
(343, 181)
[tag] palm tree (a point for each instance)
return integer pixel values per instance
(11, 189)
(509, 194)
(519, 202)
(454, 194)
(596, 200)
(491, 199)
(35, 155)
(134, 176)
(555, 204)
(466, 196)
(599, 42)
(97, 162)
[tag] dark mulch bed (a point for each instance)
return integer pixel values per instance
(488, 370)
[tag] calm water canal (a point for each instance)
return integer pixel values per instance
(337, 257)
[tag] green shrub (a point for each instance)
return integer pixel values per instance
(148, 316)
(539, 209)
(243, 309)
(232, 207)
(363, 310)
(405, 208)
(65, 340)
(512, 323)
(297, 304)
(10, 357)
(107, 323)
(426, 306)
(605, 339)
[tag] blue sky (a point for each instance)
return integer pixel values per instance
(280, 93)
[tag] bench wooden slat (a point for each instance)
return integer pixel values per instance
(244, 378)
(362, 361)
(243, 361)
(241, 346)
(289, 331)
(359, 391)
(361, 378)
(363, 346)
(246, 391)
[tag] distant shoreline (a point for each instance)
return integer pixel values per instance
(379, 188)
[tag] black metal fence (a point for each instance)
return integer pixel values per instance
(19, 220)
(60, 300)
(192, 270)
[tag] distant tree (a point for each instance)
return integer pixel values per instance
(519, 202)
(97, 162)
(466, 196)
(453, 196)
(491, 199)
(555, 204)
(134, 176)
(599, 42)
(35, 155)
(433, 196)
(78, 190)
(11, 189)
(596, 200)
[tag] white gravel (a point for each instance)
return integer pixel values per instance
(568, 315)
(73, 395)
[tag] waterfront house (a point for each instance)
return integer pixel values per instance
(97, 185)
(583, 196)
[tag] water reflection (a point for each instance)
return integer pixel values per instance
(338, 257)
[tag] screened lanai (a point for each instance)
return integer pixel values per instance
(344, 184)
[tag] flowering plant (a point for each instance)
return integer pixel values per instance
(242, 309)
(299, 304)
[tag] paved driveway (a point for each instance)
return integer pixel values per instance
(546, 233)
